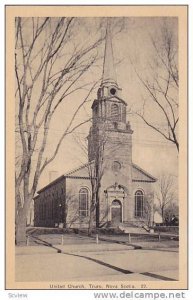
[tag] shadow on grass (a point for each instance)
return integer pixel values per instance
(100, 262)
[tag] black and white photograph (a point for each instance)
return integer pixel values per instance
(97, 137)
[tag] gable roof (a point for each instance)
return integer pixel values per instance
(81, 171)
(140, 175)
(62, 177)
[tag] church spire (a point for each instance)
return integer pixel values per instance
(109, 74)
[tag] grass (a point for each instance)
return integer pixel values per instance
(54, 236)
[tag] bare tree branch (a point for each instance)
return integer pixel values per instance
(158, 84)
(47, 72)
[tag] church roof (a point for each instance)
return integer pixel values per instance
(50, 184)
(140, 175)
(81, 171)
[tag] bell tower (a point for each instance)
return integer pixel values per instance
(111, 130)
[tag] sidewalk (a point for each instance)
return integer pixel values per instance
(141, 244)
(104, 244)
(101, 246)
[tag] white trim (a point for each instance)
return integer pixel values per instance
(89, 199)
(141, 190)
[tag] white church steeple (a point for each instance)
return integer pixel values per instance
(109, 86)
(109, 73)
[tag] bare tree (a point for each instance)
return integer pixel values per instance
(166, 192)
(94, 155)
(96, 169)
(97, 149)
(149, 208)
(161, 85)
(71, 209)
(50, 62)
(171, 212)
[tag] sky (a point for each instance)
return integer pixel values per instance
(132, 49)
(150, 151)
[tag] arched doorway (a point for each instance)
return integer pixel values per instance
(116, 212)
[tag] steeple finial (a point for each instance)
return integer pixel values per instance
(109, 74)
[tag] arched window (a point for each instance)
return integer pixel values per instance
(83, 202)
(139, 203)
(124, 113)
(115, 112)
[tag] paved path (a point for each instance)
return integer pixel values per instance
(105, 261)
(77, 239)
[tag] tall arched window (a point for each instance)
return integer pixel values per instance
(115, 112)
(83, 202)
(139, 203)
(124, 113)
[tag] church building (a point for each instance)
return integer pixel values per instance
(123, 191)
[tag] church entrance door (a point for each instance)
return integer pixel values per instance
(116, 212)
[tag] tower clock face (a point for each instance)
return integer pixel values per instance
(113, 91)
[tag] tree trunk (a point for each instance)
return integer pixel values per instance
(162, 211)
(98, 207)
(20, 235)
(91, 220)
(97, 215)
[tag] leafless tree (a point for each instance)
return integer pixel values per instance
(50, 62)
(71, 209)
(161, 85)
(149, 208)
(96, 169)
(95, 166)
(97, 151)
(171, 212)
(166, 192)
